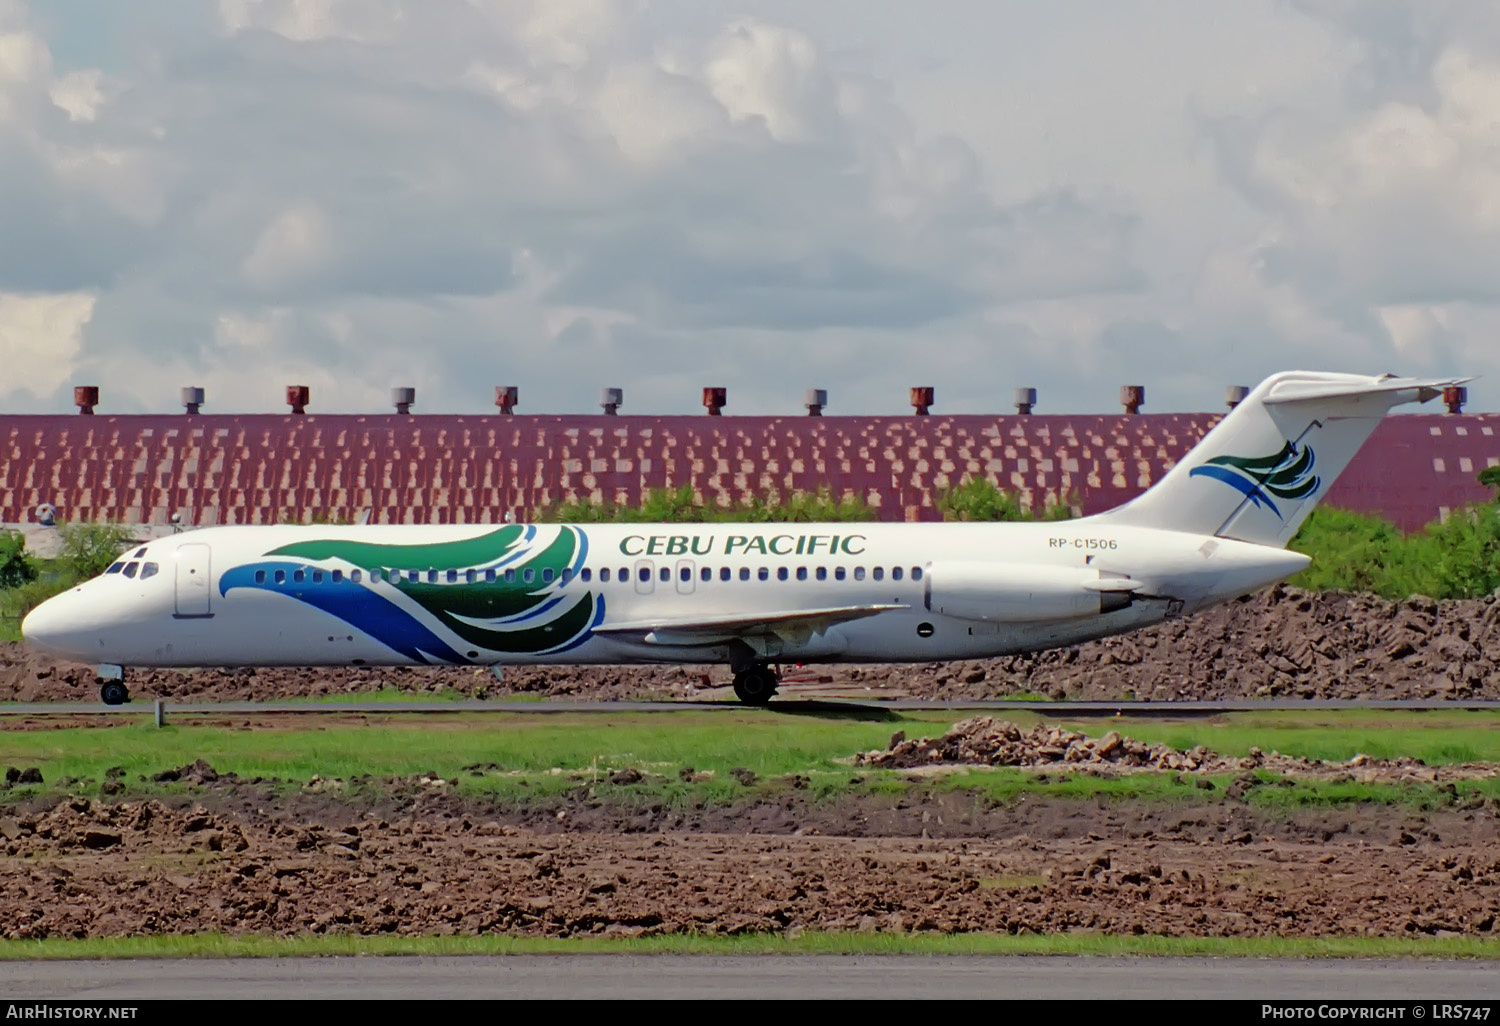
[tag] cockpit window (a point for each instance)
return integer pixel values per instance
(116, 568)
(149, 570)
(131, 568)
(140, 552)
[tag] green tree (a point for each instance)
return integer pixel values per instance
(980, 499)
(89, 549)
(1490, 478)
(16, 568)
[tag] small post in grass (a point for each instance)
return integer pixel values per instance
(159, 709)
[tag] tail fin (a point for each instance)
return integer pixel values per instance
(1258, 474)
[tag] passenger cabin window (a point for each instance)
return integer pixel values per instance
(895, 573)
(528, 575)
(298, 576)
(838, 573)
(764, 573)
(707, 575)
(567, 574)
(603, 575)
(432, 577)
(317, 577)
(916, 573)
(859, 573)
(724, 573)
(684, 574)
(588, 574)
(452, 576)
(666, 573)
(281, 577)
(510, 576)
(822, 573)
(489, 575)
(338, 576)
(625, 575)
(802, 573)
(744, 573)
(878, 573)
(546, 575)
(355, 575)
(645, 573)
(116, 568)
(781, 573)
(260, 577)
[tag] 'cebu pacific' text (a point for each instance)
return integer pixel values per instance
(743, 545)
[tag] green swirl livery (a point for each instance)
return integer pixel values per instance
(1287, 474)
(503, 593)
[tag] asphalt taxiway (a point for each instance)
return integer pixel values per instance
(838, 977)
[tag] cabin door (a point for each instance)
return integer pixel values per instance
(193, 581)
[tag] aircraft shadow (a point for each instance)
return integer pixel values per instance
(825, 710)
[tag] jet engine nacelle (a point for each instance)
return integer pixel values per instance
(1023, 592)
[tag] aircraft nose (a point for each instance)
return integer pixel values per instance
(51, 626)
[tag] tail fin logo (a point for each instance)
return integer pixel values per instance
(1286, 475)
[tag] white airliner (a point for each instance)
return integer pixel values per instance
(749, 595)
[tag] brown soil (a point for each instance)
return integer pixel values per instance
(1283, 643)
(418, 859)
(986, 741)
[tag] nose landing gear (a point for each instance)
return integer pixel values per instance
(755, 684)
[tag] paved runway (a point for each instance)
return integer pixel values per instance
(179, 710)
(826, 976)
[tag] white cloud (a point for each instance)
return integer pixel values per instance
(656, 193)
(41, 337)
(363, 21)
(80, 93)
(295, 245)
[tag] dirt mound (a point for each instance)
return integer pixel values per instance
(985, 741)
(1282, 643)
(230, 860)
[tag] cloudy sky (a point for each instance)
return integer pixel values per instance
(771, 195)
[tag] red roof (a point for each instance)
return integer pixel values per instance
(447, 469)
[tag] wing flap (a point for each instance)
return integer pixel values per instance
(700, 630)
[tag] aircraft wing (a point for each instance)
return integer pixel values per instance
(705, 630)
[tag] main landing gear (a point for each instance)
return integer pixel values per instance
(755, 684)
(112, 689)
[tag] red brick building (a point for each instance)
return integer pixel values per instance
(253, 469)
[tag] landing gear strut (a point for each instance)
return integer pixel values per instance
(112, 689)
(755, 684)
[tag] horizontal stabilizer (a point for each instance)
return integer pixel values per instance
(1424, 389)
